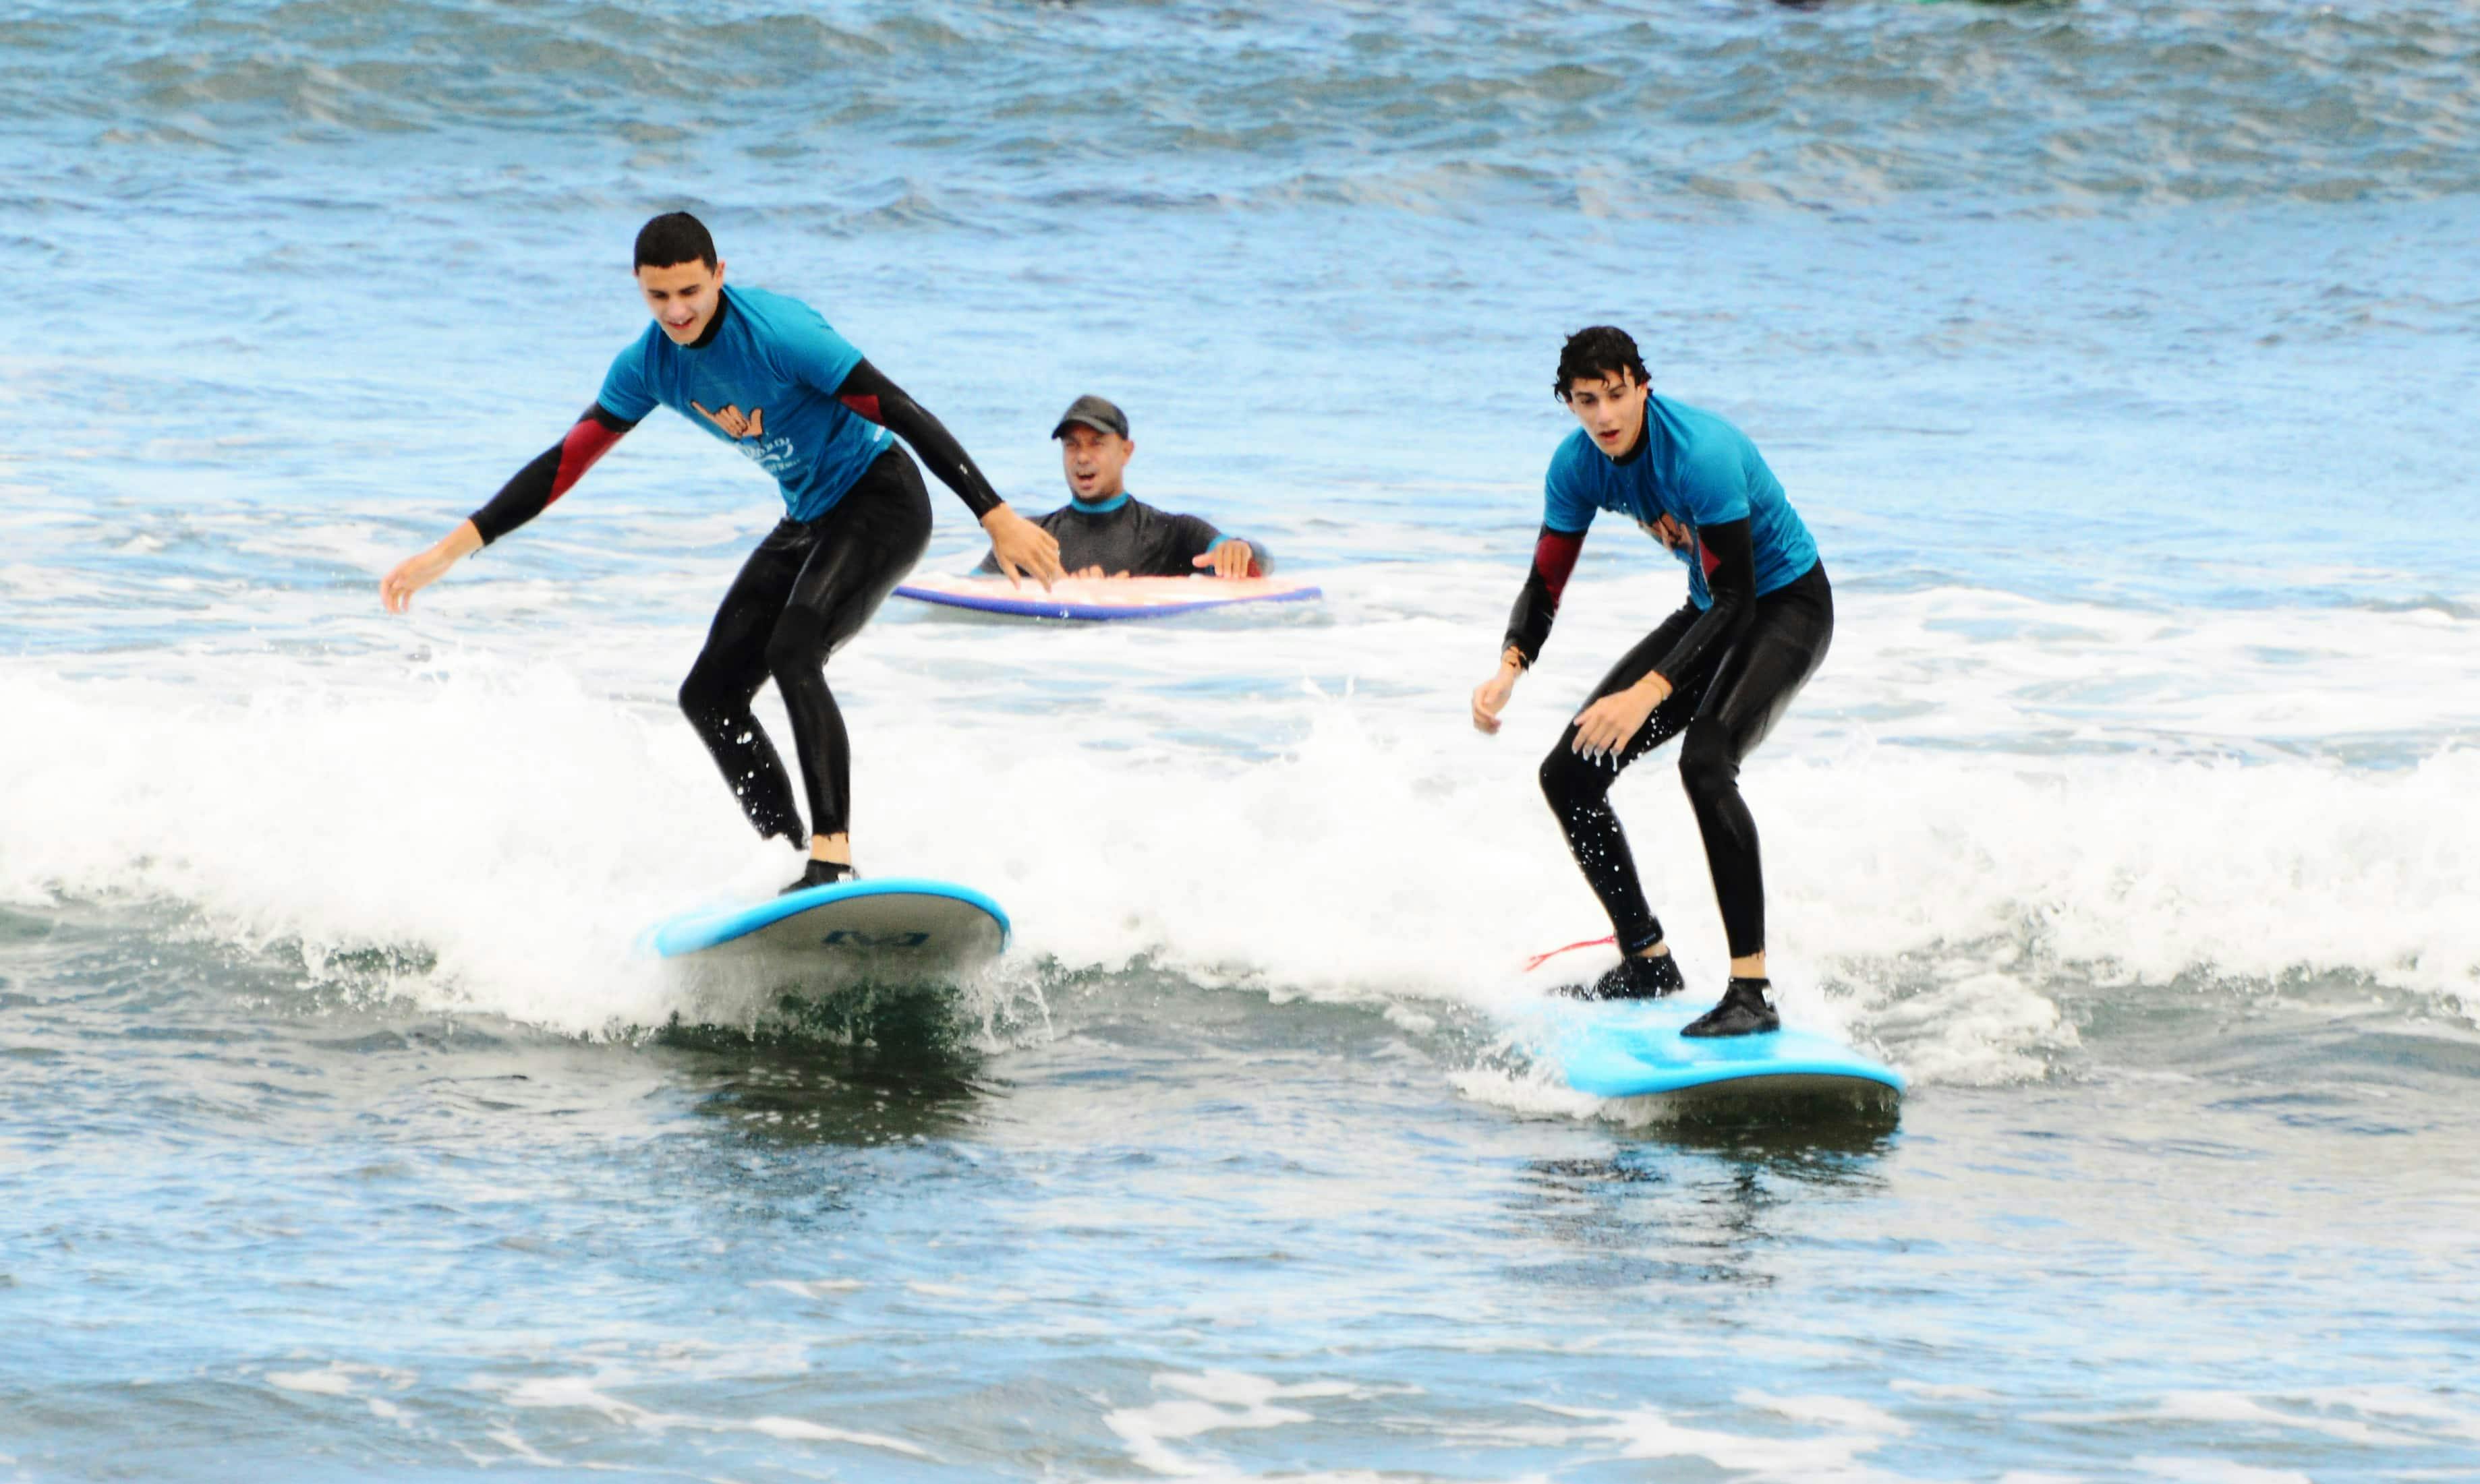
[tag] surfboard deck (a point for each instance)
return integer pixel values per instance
(1101, 599)
(1632, 1048)
(898, 927)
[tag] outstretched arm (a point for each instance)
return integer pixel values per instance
(1528, 625)
(1017, 543)
(1221, 555)
(551, 474)
(867, 391)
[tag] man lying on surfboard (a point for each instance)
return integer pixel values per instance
(1105, 532)
(1722, 669)
(768, 375)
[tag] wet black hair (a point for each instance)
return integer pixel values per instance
(1597, 351)
(674, 238)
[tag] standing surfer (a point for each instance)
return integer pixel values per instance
(1722, 669)
(767, 375)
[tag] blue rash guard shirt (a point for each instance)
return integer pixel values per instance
(776, 362)
(1694, 467)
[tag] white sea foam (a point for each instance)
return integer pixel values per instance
(328, 1382)
(1209, 1402)
(1285, 820)
(2216, 1471)
(1852, 1431)
(2370, 1417)
(586, 1393)
(816, 1288)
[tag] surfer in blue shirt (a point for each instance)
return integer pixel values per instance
(768, 375)
(1721, 670)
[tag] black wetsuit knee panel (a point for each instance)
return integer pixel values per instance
(1708, 765)
(1569, 782)
(797, 647)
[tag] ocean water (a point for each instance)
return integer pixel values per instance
(2121, 357)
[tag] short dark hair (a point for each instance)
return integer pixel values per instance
(674, 237)
(1597, 351)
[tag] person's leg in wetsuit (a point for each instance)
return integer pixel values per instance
(1725, 711)
(802, 595)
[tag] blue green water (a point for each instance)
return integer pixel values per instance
(2120, 357)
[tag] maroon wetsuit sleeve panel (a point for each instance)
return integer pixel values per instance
(553, 473)
(1554, 559)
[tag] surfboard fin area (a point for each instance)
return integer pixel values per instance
(1100, 599)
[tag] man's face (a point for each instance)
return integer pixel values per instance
(682, 297)
(1094, 460)
(1611, 409)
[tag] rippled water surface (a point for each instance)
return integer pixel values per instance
(2121, 357)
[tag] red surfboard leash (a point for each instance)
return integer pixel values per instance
(1539, 960)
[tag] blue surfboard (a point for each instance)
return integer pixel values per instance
(1632, 1048)
(1102, 599)
(899, 927)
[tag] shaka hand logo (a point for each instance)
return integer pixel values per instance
(732, 422)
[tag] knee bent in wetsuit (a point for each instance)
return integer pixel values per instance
(797, 649)
(1709, 766)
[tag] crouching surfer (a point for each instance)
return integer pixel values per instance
(1105, 531)
(1721, 670)
(768, 375)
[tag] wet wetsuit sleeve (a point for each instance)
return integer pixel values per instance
(867, 392)
(1729, 560)
(1554, 559)
(1194, 536)
(552, 473)
(1568, 511)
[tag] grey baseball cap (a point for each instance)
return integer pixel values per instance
(1095, 413)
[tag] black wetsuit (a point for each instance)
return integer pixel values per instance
(808, 588)
(1125, 535)
(1733, 668)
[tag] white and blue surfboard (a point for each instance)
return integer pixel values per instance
(1101, 599)
(1632, 1048)
(899, 927)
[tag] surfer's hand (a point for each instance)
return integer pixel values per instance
(419, 571)
(1604, 727)
(1230, 559)
(1491, 697)
(1023, 547)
